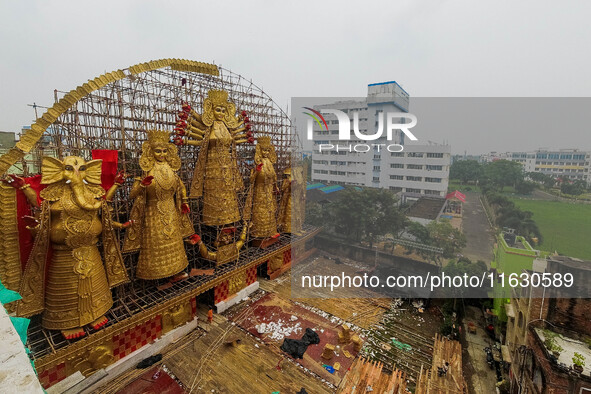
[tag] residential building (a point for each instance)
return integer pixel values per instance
(572, 164)
(545, 328)
(512, 255)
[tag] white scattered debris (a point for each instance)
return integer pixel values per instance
(396, 303)
(294, 318)
(256, 345)
(279, 329)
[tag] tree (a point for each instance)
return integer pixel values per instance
(503, 173)
(511, 216)
(439, 234)
(573, 188)
(549, 182)
(315, 214)
(465, 170)
(464, 266)
(365, 214)
(443, 235)
(419, 232)
(525, 187)
(546, 180)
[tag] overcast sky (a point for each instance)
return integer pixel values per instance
(310, 48)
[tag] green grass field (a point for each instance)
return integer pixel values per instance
(565, 227)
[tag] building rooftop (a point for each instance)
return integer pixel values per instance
(517, 245)
(388, 83)
(426, 208)
(569, 347)
(571, 262)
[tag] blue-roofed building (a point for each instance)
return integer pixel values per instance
(319, 192)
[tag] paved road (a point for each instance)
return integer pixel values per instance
(481, 378)
(479, 235)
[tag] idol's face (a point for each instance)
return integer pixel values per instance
(219, 112)
(265, 152)
(160, 152)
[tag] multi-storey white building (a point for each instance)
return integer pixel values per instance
(417, 169)
(572, 164)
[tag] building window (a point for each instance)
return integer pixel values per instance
(414, 166)
(395, 188)
(376, 179)
(397, 154)
(433, 192)
(414, 178)
(397, 165)
(434, 168)
(397, 177)
(435, 155)
(376, 168)
(415, 154)
(411, 190)
(433, 180)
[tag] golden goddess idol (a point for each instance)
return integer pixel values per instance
(160, 211)
(216, 177)
(261, 206)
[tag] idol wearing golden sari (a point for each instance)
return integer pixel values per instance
(293, 199)
(75, 290)
(216, 177)
(261, 205)
(159, 211)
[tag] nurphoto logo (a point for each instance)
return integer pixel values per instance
(394, 121)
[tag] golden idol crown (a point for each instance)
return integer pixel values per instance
(158, 136)
(218, 96)
(264, 141)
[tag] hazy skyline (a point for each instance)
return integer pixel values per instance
(432, 48)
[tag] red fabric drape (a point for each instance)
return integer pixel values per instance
(109, 167)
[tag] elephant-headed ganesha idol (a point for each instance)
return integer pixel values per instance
(75, 289)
